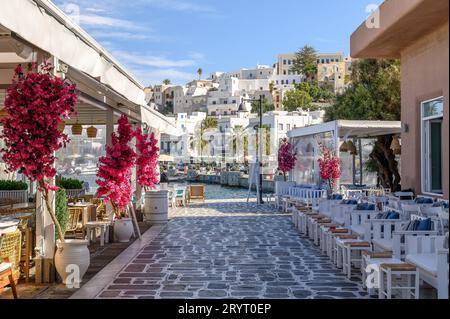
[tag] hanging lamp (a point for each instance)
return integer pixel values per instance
(77, 129)
(395, 146)
(3, 114)
(352, 148)
(344, 147)
(61, 126)
(91, 132)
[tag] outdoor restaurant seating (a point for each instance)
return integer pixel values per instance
(6, 276)
(197, 192)
(400, 235)
(10, 253)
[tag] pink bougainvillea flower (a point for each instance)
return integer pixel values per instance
(116, 166)
(286, 158)
(147, 159)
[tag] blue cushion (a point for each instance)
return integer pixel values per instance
(393, 215)
(424, 200)
(349, 202)
(335, 197)
(424, 225)
(443, 204)
(365, 206)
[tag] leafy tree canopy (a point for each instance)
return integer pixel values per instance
(373, 95)
(306, 63)
(266, 107)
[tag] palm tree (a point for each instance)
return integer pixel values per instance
(200, 72)
(239, 134)
(167, 82)
(208, 124)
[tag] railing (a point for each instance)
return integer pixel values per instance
(17, 196)
(74, 193)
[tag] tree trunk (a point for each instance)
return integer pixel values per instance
(50, 210)
(387, 165)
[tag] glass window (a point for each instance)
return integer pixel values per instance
(288, 127)
(280, 127)
(433, 108)
(432, 131)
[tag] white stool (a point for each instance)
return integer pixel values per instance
(91, 228)
(346, 253)
(399, 276)
(374, 259)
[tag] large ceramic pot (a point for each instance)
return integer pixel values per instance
(123, 230)
(72, 260)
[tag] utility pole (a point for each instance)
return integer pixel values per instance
(259, 155)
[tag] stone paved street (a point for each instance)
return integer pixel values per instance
(229, 249)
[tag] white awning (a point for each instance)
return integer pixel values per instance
(158, 121)
(351, 129)
(45, 26)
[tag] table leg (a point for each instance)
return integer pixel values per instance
(12, 283)
(102, 236)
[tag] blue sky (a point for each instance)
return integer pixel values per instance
(158, 39)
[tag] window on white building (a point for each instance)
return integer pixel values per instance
(432, 113)
(280, 127)
(288, 127)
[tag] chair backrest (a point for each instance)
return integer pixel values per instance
(180, 192)
(424, 244)
(428, 211)
(409, 209)
(282, 188)
(75, 214)
(197, 190)
(10, 248)
(359, 217)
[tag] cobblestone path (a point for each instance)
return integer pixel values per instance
(230, 249)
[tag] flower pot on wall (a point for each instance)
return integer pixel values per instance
(123, 230)
(72, 260)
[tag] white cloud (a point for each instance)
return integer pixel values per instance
(95, 20)
(152, 77)
(125, 36)
(151, 60)
(181, 5)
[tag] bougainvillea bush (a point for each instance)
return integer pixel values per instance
(330, 166)
(36, 103)
(116, 168)
(286, 158)
(147, 159)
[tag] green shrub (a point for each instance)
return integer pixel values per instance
(61, 208)
(69, 183)
(13, 185)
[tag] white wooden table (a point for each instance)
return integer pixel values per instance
(91, 228)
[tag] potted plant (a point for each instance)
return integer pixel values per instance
(114, 175)
(286, 158)
(330, 168)
(37, 102)
(156, 207)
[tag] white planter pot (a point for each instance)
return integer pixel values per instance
(123, 230)
(72, 260)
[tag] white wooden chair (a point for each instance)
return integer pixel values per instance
(427, 253)
(356, 220)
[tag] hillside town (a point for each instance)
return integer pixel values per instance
(231, 98)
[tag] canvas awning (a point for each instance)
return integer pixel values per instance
(105, 82)
(351, 129)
